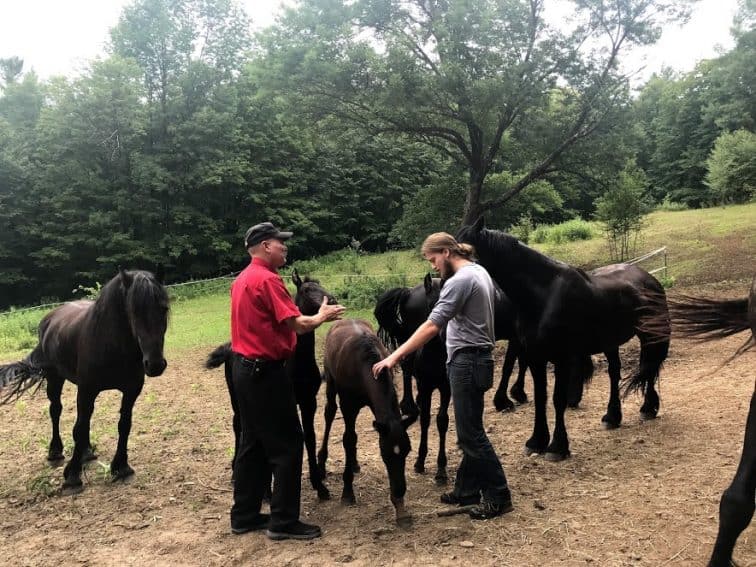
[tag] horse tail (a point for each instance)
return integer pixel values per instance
(19, 377)
(706, 319)
(388, 314)
(652, 357)
(220, 355)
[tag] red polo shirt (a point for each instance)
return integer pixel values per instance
(260, 305)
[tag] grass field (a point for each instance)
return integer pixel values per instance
(703, 246)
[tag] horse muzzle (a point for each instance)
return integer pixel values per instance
(154, 368)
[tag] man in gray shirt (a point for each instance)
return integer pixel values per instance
(466, 308)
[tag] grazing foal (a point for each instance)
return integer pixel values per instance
(351, 349)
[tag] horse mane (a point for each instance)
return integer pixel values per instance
(388, 314)
(500, 243)
(111, 308)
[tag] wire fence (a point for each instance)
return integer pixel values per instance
(194, 288)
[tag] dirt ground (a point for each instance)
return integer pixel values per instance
(645, 494)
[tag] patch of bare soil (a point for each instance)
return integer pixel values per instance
(645, 494)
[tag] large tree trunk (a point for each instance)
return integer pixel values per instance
(473, 208)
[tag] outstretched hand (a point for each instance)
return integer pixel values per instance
(331, 312)
(387, 363)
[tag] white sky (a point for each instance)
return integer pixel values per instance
(59, 37)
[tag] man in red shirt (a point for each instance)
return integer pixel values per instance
(264, 327)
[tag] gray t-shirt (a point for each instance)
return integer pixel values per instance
(466, 303)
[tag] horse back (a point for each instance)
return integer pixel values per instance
(59, 334)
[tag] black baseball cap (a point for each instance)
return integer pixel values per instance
(264, 231)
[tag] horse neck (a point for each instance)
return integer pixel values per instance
(523, 274)
(305, 349)
(109, 322)
(383, 402)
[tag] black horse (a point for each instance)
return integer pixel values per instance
(351, 349)
(401, 310)
(303, 370)
(707, 319)
(107, 344)
(565, 314)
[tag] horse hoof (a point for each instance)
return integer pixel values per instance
(555, 457)
(505, 408)
(323, 494)
(348, 500)
(404, 522)
(56, 460)
(88, 456)
(69, 489)
(647, 415)
(356, 468)
(419, 469)
(528, 451)
(441, 480)
(574, 405)
(121, 473)
(609, 424)
(519, 397)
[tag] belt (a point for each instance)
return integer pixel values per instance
(474, 350)
(261, 362)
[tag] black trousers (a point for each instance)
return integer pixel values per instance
(271, 441)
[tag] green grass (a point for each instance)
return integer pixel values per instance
(707, 245)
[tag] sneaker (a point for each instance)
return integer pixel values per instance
(294, 530)
(454, 499)
(489, 509)
(260, 523)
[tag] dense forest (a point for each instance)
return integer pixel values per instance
(365, 121)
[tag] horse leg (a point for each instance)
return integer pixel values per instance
(737, 505)
(119, 466)
(560, 444)
(350, 453)
(85, 399)
(424, 394)
(407, 406)
(442, 422)
(518, 388)
(54, 389)
(329, 414)
(501, 400)
(307, 407)
(653, 353)
(540, 438)
(613, 417)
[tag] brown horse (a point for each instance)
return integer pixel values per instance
(351, 349)
(107, 344)
(707, 319)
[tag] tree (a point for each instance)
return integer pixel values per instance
(10, 69)
(459, 75)
(732, 167)
(621, 210)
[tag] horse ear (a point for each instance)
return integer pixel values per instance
(125, 277)
(295, 278)
(479, 224)
(160, 273)
(428, 284)
(380, 427)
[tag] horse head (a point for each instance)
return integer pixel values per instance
(147, 307)
(310, 294)
(395, 445)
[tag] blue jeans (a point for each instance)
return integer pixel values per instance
(470, 376)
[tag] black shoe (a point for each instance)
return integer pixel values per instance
(294, 530)
(260, 523)
(488, 509)
(455, 500)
